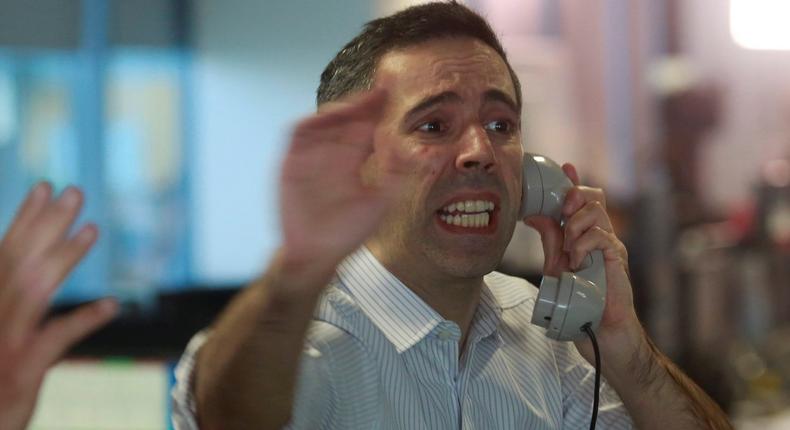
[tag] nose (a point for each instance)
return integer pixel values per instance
(477, 153)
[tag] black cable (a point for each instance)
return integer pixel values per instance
(588, 329)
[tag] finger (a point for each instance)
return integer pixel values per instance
(35, 280)
(60, 334)
(570, 171)
(591, 214)
(13, 241)
(592, 239)
(345, 132)
(35, 201)
(393, 164)
(578, 196)
(551, 238)
(35, 297)
(386, 191)
(355, 134)
(368, 105)
(340, 152)
(53, 223)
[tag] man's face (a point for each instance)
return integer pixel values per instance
(452, 117)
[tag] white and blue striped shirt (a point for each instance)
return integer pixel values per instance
(378, 357)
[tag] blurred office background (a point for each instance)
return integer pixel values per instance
(172, 116)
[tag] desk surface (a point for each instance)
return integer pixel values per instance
(114, 394)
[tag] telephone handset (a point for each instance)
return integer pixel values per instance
(565, 304)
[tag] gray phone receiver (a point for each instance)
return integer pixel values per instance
(567, 303)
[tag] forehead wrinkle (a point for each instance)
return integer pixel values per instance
(441, 71)
(448, 76)
(453, 69)
(460, 62)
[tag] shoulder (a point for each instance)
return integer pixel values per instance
(337, 321)
(335, 336)
(338, 381)
(515, 298)
(510, 291)
(325, 338)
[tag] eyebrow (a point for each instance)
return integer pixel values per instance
(450, 96)
(431, 101)
(499, 96)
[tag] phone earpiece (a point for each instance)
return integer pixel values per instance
(543, 188)
(567, 303)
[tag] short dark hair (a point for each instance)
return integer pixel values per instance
(353, 67)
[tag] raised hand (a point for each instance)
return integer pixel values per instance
(334, 192)
(328, 207)
(36, 255)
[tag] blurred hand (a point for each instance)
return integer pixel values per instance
(36, 255)
(588, 227)
(327, 208)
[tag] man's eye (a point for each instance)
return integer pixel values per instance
(432, 127)
(499, 126)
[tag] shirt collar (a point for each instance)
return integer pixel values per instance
(394, 309)
(402, 316)
(487, 316)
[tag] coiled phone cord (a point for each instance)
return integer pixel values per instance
(588, 329)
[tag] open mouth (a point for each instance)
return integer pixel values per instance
(468, 215)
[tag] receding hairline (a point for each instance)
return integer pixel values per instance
(371, 79)
(353, 67)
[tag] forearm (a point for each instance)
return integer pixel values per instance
(246, 372)
(656, 393)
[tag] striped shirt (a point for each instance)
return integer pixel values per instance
(377, 357)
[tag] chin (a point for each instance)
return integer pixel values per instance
(463, 264)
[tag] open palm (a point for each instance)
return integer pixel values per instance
(327, 208)
(36, 254)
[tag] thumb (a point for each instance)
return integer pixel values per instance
(551, 237)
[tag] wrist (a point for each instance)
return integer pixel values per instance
(303, 269)
(291, 276)
(622, 349)
(617, 343)
(286, 294)
(623, 339)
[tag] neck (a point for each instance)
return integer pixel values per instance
(455, 299)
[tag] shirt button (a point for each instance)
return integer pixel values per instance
(444, 335)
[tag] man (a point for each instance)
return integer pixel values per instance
(36, 254)
(398, 199)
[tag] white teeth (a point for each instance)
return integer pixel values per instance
(467, 220)
(469, 206)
